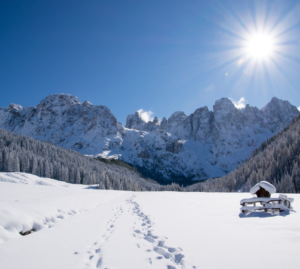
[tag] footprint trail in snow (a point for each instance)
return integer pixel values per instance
(160, 254)
(158, 244)
(94, 255)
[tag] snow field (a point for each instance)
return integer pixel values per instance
(38, 203)
(120, 230)
(213, 235)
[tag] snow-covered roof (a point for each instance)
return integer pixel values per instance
(263, 184)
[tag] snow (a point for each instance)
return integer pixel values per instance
(263, 184)
(80, 226)
(260, 199)
(285, 197)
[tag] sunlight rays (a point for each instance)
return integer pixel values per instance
(262, 44)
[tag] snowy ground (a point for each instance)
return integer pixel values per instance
(80, 227)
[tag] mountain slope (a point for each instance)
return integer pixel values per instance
(182, 148)
(24, 154)
(277, 161)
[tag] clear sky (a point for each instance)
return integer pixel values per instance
(159, 56)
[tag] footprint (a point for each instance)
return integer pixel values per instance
(99, 263)
(149, 239)
(151, 235)
(162, 252)
(160, 243)
(178, 258)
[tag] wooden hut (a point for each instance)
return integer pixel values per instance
(263, 193)
(263, 189)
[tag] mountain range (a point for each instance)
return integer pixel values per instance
(182, 148)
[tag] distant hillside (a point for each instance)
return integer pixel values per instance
(276, 161)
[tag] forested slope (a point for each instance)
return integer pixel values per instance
(276, 161)
(24, 154)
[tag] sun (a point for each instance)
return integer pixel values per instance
(260, 46)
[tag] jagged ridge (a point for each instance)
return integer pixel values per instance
(202, 145)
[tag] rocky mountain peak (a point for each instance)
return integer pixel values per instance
(156, 120)
(277, 105)
(61, 99)
(87, 104)
(178, 115)
(57, 103)
(224, 104)
(135, 121)
(163, 123)
(278, 112)
(224, 109)
(14, 108)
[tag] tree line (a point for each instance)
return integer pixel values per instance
(24, 154)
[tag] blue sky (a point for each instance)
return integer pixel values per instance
(159, 56)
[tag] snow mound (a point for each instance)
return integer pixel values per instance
(263, 184)
(29, 179)
(32, 203)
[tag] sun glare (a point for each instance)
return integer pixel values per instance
(260, 46)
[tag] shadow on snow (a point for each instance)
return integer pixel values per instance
(265, 214)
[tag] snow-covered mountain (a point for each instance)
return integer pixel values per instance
(64, 121)
(202, 145)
